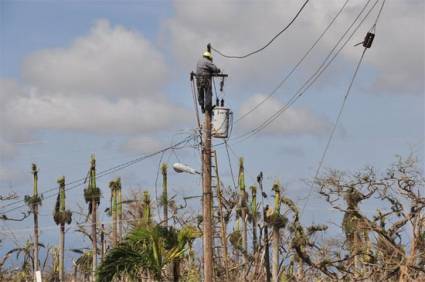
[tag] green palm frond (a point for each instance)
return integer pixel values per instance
(84, 262)
(147, 249)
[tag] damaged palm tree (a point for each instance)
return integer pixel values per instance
(113, 210)
(61, 216)
(277, 221)
(302, 245)
(243, 209)
(355, 228)
(83, 265)
(33, 202)
(146, 252)
(119, 209)
(399, 221)
(164, 202)
(164, 196)
(354, 224)
(92, 196)
(254, 215)
(147, 210)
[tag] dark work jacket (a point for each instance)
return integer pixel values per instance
(204, 69)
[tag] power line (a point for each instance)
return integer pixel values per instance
(268, 43)
(238, 157)
(322, 159)
(47, 191)
(230, 163)
(312, 79)
(335, 126)
(309, 82)
(156, 179)
(55, 227)
(283, 81)
(111, 170)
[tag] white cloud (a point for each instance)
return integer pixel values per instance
(108, 81)
(294, 121)
(396, 57)
(92, 114)
(399, 51)
(110, 62)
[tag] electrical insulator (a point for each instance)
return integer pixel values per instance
(367, 43)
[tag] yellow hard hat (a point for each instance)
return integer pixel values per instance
(207, 55)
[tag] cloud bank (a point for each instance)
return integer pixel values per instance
(110, 81)
(295, 121)
(397, 56)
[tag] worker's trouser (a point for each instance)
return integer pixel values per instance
(205, 94)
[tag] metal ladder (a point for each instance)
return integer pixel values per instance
(220, 233)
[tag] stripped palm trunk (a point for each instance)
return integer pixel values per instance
(254, 217)
(275, 235)
(35, 211)
(62, 230)
(266, 229)
(164, 202)
(61, 217)
(355, 230)
(94, 218)
(113, 186)
(92, 196)
(164, 198)
(102, 242)
(146, 204)
(266, 246)
(243, 209)
(119, 210)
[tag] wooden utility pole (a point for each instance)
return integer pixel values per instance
(207, 199)
(164, 198)
(35, 202)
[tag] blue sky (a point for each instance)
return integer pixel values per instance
(111, 78)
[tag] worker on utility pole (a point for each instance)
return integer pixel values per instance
(205, 69)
